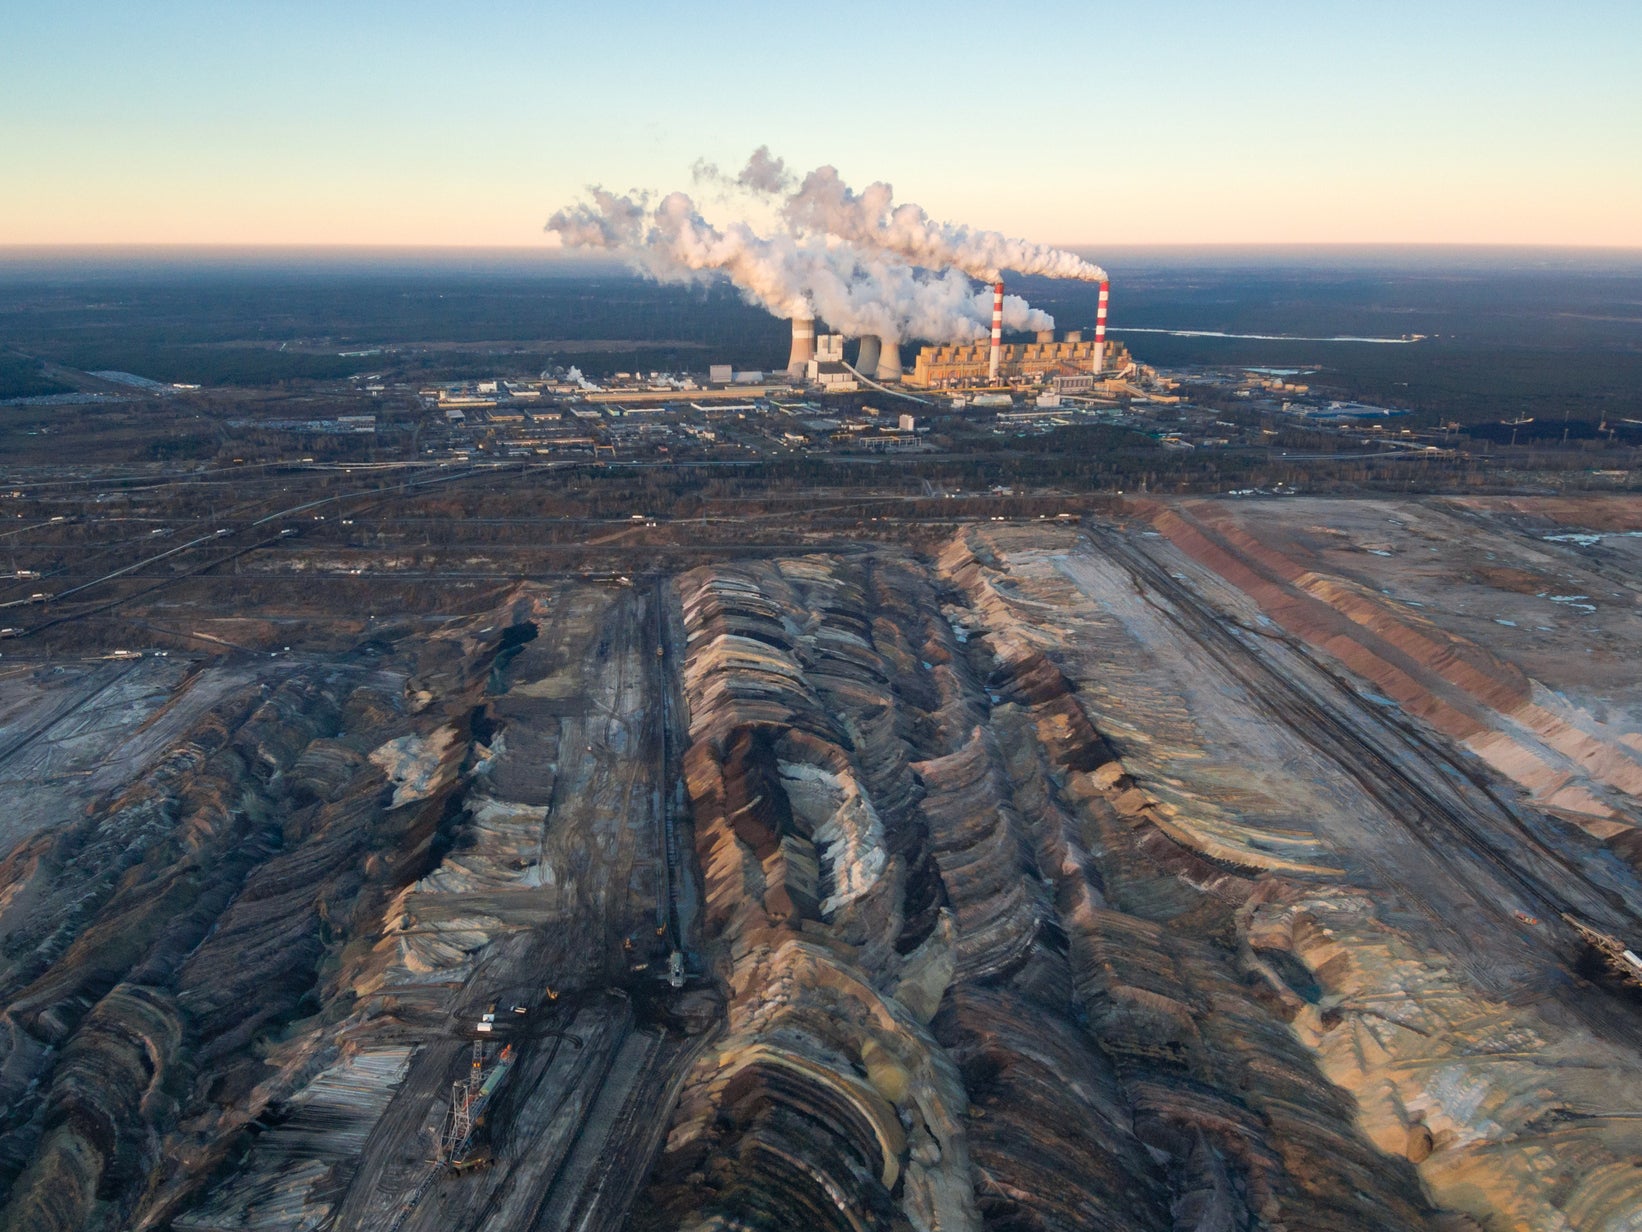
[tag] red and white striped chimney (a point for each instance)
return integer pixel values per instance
(1100, 329)
(997, 334)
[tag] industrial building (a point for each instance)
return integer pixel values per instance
(971, 363)
(826, 366)
(820, 360)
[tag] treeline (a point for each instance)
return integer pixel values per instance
(23, 376)
(223, 330)
(197, 365)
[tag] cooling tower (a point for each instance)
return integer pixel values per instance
(803, 347)
(1100, 330)
(889, 361)
(997, 334)
(866, 360)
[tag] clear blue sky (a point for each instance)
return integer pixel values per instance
(255, 121)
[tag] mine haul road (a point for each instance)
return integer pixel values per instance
(1463, 851)
(574, 1131)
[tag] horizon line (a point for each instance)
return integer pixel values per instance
(562, 254)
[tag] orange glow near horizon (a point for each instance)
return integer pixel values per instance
(261, 123)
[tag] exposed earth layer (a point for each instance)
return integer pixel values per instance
(1213, 865)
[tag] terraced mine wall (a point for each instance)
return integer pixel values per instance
(971, 983)
(238, 987)
(1162, 872)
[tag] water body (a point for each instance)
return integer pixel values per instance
(1216, 333)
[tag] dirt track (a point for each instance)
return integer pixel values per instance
(1464, 855)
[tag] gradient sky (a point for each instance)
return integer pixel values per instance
(1191, 121)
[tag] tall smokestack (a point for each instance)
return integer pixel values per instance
(1100, 329)
(889, 362)
(803, 347)
(997, 334)
(866, 359)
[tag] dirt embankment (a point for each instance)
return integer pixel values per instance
(1466, 692)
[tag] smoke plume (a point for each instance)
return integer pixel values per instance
(765, 173)
(824, 204)
(856, 261)
(854, 291)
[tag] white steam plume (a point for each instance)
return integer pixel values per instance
(856, 290)
(610, 221)
(765, 173)
(824, 204)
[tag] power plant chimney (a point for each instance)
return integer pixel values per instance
(803, 347)
(1100, 329)
(889, 361)
(997, 334)
(866, 359)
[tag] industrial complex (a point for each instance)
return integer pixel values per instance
(1070, 363)
(974, 363)
(816, 403)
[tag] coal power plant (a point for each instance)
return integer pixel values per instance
(879, 273)
(962, 365)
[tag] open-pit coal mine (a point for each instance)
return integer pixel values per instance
(1196, 865)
